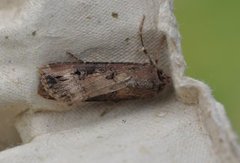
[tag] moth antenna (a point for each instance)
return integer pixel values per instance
(141, 38)
(74, 57)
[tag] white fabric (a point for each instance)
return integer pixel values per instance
(186, 126)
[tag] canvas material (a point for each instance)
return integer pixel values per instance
(187, 125)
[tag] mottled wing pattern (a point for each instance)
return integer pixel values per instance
(69, 84)
(73, 82)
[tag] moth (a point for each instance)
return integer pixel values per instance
(73, 82)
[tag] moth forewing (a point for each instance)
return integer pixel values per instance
(99, 81)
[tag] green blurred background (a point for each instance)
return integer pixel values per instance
(210, 32)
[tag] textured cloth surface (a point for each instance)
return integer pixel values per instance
(185, 125)
(155, 131)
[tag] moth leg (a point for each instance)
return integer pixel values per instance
(74, 57)
(141, 39)
(106, 110)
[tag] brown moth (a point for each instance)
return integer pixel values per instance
(73, 82)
